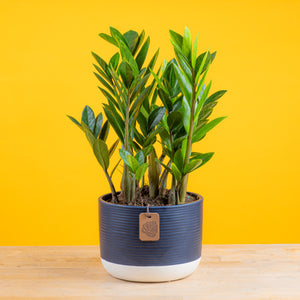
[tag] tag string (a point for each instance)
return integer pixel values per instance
(148, 212)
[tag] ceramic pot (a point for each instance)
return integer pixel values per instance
(175, 255)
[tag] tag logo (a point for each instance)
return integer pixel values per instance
(150, 228)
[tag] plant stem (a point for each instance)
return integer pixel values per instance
(126, 182)
(184, 180)
(112, 187)
(153, 174)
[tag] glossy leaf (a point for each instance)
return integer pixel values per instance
(178, 160)
(194, 52)
(114, 61)
(205, 157)
(187, 43)
(113, 148)
(214, 97)
(192, 165)
(119, 129)
(101, 62)
(132, 38)
(174, 120)
(140, 171)
(147, 150)
(133, 163)
(98, 125)
(124, 155)
(88, 133)
(104, 131)
(101, 153)
(176, 172)
(108, 38)
(165, 166)
(176, 38)
(201, 132)
(74, 121)
(184, 83)
(126, 73)
(140, 157)
(140, 59)
(88, 118)
(154, 117)
(104, 82)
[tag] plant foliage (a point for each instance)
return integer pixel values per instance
(169, 107)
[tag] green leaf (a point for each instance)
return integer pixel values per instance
(113, 148)
(74, 121)
(186, 114)
(152, 62)
(154, 118)
(152, 136)
(108, 38)
(133, 163)
(201, 132)
(174, 120)
(140, 59)
(178, 160)
(124, 155)
(158, 81)
(126, 73)
(205, 157)
(98, 125)
(192, 166)
(175, 172)
(185, 66)
(140, 157)
(184, 83)
(139, 101)
(101, 62)
(139, 43)
(165, 98)
(187, 43)
(201, 62)
(119, 129)
(88, 117)
(140, 171)
(114, 61)
(117, 35)
(176, 38)
(104, 131)
(214, 97)
(89, 135)
(125, 50)
(139, 86)
(202, 100)
(194, 53)
(165, 166)
(104, 82)
(101, 153)
(147, 150)
(132, 38)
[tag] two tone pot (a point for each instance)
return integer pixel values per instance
(175, 255)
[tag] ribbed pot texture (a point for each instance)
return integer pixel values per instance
(180, 234)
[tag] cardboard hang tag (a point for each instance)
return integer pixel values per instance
(149, 227)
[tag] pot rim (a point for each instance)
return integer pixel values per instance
(199, 199)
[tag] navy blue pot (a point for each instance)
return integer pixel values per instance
(175, 255)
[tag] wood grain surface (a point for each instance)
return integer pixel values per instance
(225, 272)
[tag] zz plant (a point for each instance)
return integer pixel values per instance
(168, 110)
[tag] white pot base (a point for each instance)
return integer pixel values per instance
(152, 273)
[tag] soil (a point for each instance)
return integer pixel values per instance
(143, 198)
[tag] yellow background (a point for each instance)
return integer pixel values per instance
(49, 178)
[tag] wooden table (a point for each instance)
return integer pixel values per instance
(225, 272)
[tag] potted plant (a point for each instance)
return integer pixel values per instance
(149, 232)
